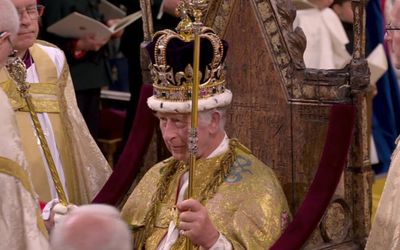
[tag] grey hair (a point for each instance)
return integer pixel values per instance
(205, 116)
(9, 19)
(94, 226)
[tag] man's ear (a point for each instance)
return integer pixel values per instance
(337, 8)
(215, 122)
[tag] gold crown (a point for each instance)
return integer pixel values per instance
(172, 57)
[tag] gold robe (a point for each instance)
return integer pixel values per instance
(243, 197)
(84, 166)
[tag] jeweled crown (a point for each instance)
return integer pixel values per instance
(171, 68)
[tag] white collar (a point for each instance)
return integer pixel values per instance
(222, 147)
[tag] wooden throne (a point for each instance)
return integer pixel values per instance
(282, 111)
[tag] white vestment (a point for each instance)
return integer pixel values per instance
(326, 39)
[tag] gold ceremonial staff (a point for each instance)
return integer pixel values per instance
(147, 18)
(195, 8)
(17, 71)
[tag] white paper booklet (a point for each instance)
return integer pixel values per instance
(76, 25)
(377, 62)
(110, 11)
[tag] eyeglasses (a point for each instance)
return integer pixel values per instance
(33, 11)
(389, 28)
(4, 34)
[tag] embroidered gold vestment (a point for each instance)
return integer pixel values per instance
(248, 207)
(84, 166)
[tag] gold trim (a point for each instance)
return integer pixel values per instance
(177, 86)
(179, 94)
(13, 169)
(43, 88)
(44, 97)
(43, 106)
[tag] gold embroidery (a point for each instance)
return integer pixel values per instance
(44, 97)
(44, 106)
(247, 211)
(43, 88)
(203, 191)
(44, 94)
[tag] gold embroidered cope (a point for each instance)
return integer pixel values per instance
(249, 207)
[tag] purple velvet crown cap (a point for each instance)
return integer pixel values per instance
(171, 69)
(179, 53)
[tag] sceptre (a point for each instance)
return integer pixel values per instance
(196, 8)
(17, 71)
(145, 6)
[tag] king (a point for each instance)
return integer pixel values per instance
(229, 199)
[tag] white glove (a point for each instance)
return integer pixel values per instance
(60, 211)
(46, 213)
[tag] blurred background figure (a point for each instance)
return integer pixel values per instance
(386, 104)
(344, 11)
(91, 227)
(86, 56)
(163, 18)
(326, 38)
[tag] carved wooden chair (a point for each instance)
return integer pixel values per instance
(284, 114)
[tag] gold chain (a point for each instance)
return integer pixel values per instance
(169, 173)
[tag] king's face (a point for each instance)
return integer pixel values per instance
(174, 129)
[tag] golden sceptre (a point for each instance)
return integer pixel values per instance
(17, 71)
(147, 18)
(196, 9)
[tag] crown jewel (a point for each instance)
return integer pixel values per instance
(172, 58)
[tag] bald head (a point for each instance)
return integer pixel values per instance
(9, 19)
(91, 227)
